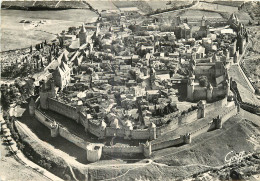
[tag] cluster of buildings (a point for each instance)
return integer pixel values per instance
(123, 74)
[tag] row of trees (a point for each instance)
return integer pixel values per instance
(15, 71)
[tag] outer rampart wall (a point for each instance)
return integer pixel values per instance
(201, 130)
(231, 111)
(71, 137)
(168, 143)
(228, 113)
(139, 134)
(122, 150)
(42, 118)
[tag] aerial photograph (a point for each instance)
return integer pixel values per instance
(128, 90)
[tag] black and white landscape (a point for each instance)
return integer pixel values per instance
(130, 90)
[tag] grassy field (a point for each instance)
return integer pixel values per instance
(210, 148)
(103, 5)
(45, 4)
(198, 14)
(228, 3)
(18, 35)
(252, 58)
(166, 5)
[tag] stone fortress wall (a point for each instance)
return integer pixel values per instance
(95, 151)
(65, 109)
(245, 105)
(145, 134)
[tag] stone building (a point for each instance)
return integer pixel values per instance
(82, 35)
(62, 75)
(204, 28)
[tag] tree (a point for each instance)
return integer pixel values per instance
(203, 81)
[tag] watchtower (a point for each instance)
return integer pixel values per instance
(82, 35)
(32, 107)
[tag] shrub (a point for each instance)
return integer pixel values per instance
(203, 81)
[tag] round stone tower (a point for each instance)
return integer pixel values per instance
(32, 107)
(82, 35)
(147, 149)
(54, 129)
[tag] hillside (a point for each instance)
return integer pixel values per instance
(144, 6)
(40, 5)
(203, 158)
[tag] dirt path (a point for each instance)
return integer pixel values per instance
(12, 170)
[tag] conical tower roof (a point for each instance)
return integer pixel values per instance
(64, 58)
(83, 28)
(232, 16)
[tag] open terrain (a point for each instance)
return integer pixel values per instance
(17, 35)
(45, 5)
(204, 154)
(9, 166)
(252, 58)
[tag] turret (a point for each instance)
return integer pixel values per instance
(147, 149)
(64, 58)
(82, 35)
(217, 122)
(187, 138)
(201, 110)
(54, 129)
(209, 92)
(190, 87)
(152, 131)
(32, 107)
(240, 43)
(178, 21)
(203, 21)
(236, 57)
(128, 129)
(102, 131)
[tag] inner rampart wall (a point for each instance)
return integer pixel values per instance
(140, 134)
(215, 105)
(173, 124)
(62, 108)
(218, 92)
(199, 93)
(189, 117)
